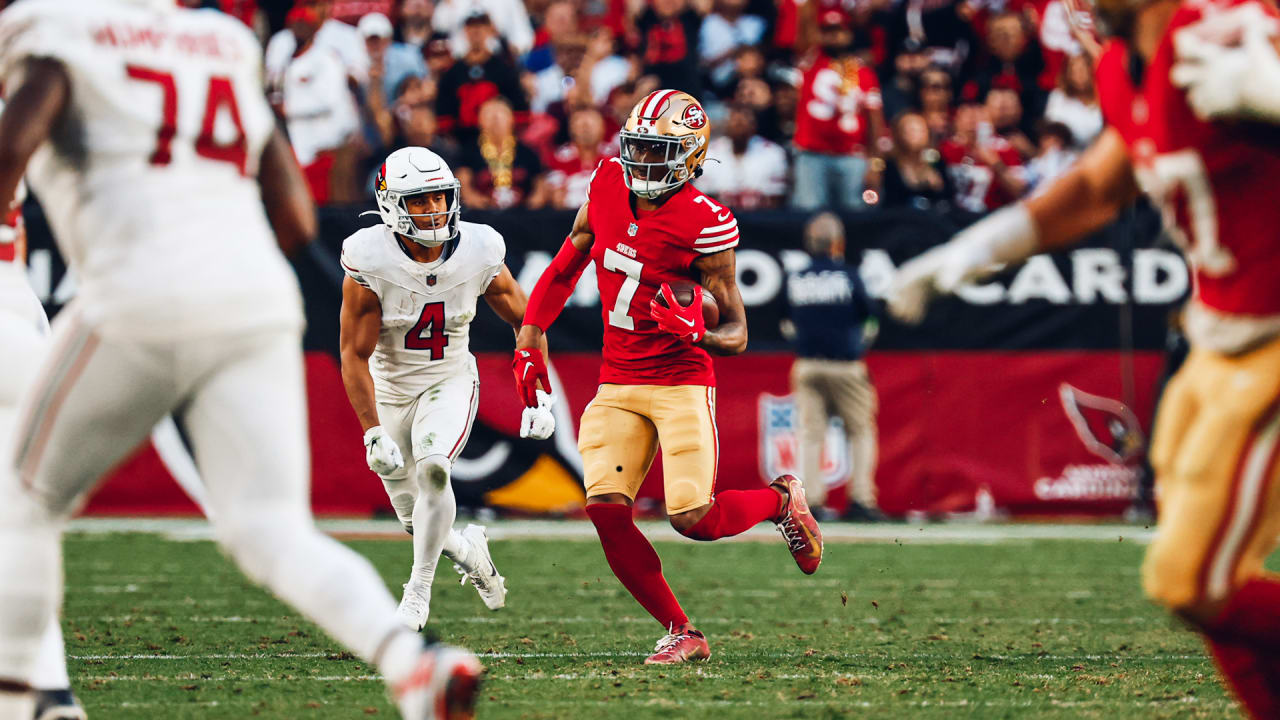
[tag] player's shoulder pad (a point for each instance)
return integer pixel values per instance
(711, 224)
(608, 170)
(487, 242)
(31, 28)
(244, 35)
(362, 253)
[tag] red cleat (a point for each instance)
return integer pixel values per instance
(682, 644)
(798, 526)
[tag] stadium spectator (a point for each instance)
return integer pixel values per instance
(1074, 102)
(572, 164)
(580, 59)
(743, 169)
(1004, 110)
(748, 63)
(550, 84)
(559, 21)
(832, 322)
(333, 35)
(668, 47)
(315, 102)
(414, 26)
(475, 78)
(389, 62)
(728, 28)
(941, 27)
(509, 18)
(496, 170)
(915, 175)
(936, 91)
(901, 89)
(839, 114)
(1056, 154)
(438, 56)
(986, 171)
(1013, 60)
(602, 63)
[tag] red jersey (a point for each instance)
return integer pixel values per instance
(566, 169)
(1213, 182)
(633, 257)
(976, 187)
(834, 100)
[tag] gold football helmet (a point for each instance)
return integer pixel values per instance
(664, 143)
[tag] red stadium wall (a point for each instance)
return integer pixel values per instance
(952, 424)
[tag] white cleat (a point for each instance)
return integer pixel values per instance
(415, 605)
(491, 586)
(442, 687)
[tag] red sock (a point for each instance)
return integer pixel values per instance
(736, 511)
(1248, 673)
(635, 562)
(1253, 615)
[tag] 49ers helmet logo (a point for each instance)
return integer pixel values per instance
(694, 117)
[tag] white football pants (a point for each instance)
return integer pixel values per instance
(431, 431)
(242, 398)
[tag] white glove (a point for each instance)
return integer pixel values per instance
(380, 451)
(539, 422)
(1006, 235)
(1228, 65)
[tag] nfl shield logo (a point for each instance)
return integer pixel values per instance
(431, 280)
(632, 229)
(779, 450)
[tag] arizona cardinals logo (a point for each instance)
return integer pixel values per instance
(694, 117)
(1108, 428)
(382, 178)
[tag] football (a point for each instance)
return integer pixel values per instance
(684, 295)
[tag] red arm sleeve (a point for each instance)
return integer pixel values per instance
(555, 286)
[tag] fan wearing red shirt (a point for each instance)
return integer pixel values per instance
(986, 170)
(839, 114)
(647, 227)
(1217, 433)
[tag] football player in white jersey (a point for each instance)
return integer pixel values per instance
(144, 131)
(407, 305)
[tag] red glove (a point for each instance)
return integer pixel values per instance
(684, 322)
(530, 369)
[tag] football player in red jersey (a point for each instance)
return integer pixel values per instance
(646, 227)
(1218, 428)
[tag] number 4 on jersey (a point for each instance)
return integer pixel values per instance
(428, 333)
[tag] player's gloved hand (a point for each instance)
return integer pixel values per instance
(380, 451)
(539, 422)
(530, 369)
(1007, 235)
(1228, 66)
(685, 323)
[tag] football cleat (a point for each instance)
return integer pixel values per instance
(798, 526)
(681, 644)
(442, 687)
(491, 586)
(415, 605)
(58, 705)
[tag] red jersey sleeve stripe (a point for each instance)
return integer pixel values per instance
(716, 239)
(716, 248)
(720, 228)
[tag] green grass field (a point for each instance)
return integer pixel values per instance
(1044, 629)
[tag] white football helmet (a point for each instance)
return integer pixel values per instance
(413, 171)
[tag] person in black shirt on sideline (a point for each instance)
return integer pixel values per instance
(831, 324)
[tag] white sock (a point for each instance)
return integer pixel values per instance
(400, 654)
(433, 517)
(50, 672)
(31, 568)
(403, 494)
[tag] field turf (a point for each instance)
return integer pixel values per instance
(1025, 628)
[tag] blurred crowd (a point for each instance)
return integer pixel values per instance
(845, 104)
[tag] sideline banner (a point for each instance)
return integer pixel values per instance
(1033, 391)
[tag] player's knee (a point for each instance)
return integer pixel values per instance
(688, 523)
(685, 498)
(434, 473)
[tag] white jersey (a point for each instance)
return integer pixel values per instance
(150, 182)
(426, 308)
